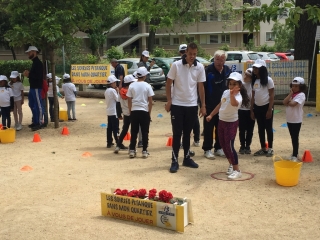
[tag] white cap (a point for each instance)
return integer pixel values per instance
(183, 47)
(14, 74)
(248, 71)
(32, 48)
(112, 79)
(145, 53)
(129, 78)
(298, 80)
(66, 76)
(135, 74)
(259, 63)
(142, 71)
(3, 77)
(235, 76)
(49, 75)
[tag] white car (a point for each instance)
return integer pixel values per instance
(268, 56)
(240, 56)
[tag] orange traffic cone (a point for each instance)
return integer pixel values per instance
(0, 126)
(307, 157)
(65, 131)
(26, 168)
(169, 141)
(86, 154)
(267, 145)
(36, 138)
(127, 136)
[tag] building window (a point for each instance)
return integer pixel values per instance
(225, 17)
(157, 41)
(269, 36)
(225, 38)
(166, 41)
(175, 41)
(214, 17)
(203, 18)
(214, 38)
(203, 39)
(190, 39)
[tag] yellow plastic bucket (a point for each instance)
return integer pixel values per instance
(8, 135)
(63, 115)
(287, 172)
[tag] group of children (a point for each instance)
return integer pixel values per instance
(12, 99)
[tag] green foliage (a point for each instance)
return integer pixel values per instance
(284, 37)
(160, 52)
(250, 45)
(114, 52)
(133, 54)
(15, 65)
(265, 48)
(225, 47)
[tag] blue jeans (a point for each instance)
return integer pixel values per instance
(35, 104)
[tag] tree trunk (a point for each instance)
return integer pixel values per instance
(304, 44)
(152, 36)
(13, 53)
(54, 88)
(44, 76)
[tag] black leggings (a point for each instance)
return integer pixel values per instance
(294, 130)
(139, 118)
(125, 128)
(246, 126)
(6, 117)
(264, 124)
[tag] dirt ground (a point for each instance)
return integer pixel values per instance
(60, 197)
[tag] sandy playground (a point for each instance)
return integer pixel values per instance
(60, 197)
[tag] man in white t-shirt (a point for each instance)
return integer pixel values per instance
(111, 97)
(188, 75)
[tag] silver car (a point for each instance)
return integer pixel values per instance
(157, 77)
(268, 56)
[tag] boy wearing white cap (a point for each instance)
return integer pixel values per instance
(111, 97)
(18, 96)
(143, 63)
(70, 93)
(294, 112)
(50, 95)
(6, 102)
(140, 104)
(231, 100)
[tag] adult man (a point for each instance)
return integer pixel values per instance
(119, 74)
(188, 75)
(35, 76)
(216, 83)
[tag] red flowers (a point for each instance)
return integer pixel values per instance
(164, 196)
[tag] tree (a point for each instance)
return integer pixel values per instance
(284, 37)
(4, 27)
(304, 15)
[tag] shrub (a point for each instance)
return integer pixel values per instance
(114, 52)
(14, 65)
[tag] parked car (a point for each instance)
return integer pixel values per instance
(157, 77)
(164, 63)
(268, 56)
(240, 56)
(285, 56)
(202, 60)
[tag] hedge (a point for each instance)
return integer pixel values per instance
(14, 65)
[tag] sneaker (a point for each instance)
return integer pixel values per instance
(145, 154)
(140, 145)
(31, 125)
(196, 144)
(219, 152)
(269, 152)
(70, 119)
(188, 162)
(122, 147)
(132, 153)
(235, 174)
(230, 170)
(44, 125)
(192, 153)
(293, 159)
(36, 127)
(110, 145)
(208, 154)
(247, 150)
(242, 150)
(117, 149)
(174, 167)
(261, 152)
(19, 127)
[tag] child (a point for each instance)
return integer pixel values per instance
(70, 93)
(123, 99)
(140, 104)
(262, 105)
(111, 96)
(246, 124)
(50, 95)
(231, 100)
(6, 102)
(294, 113)
(44, 105)
(18, 96)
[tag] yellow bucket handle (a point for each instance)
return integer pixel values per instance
(275, 156)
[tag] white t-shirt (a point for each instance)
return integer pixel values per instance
(16, 88)
(69, 89)
(295, 114)
(227, 112)
(5, 95)
(261, 94)
(140, 92)
(50, 89)
(186, 79)
(248, 87)
(111, 97)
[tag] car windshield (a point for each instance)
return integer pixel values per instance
(272, 56)
(253, 56)
(202, 60)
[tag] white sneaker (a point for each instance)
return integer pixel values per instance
(294, 159)
(196, 144)
(208, 154)
(132, 153)
(220, 153)
(230, 170)
(145, 154)
(117, 149)
(18, 127)
(235, 174)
